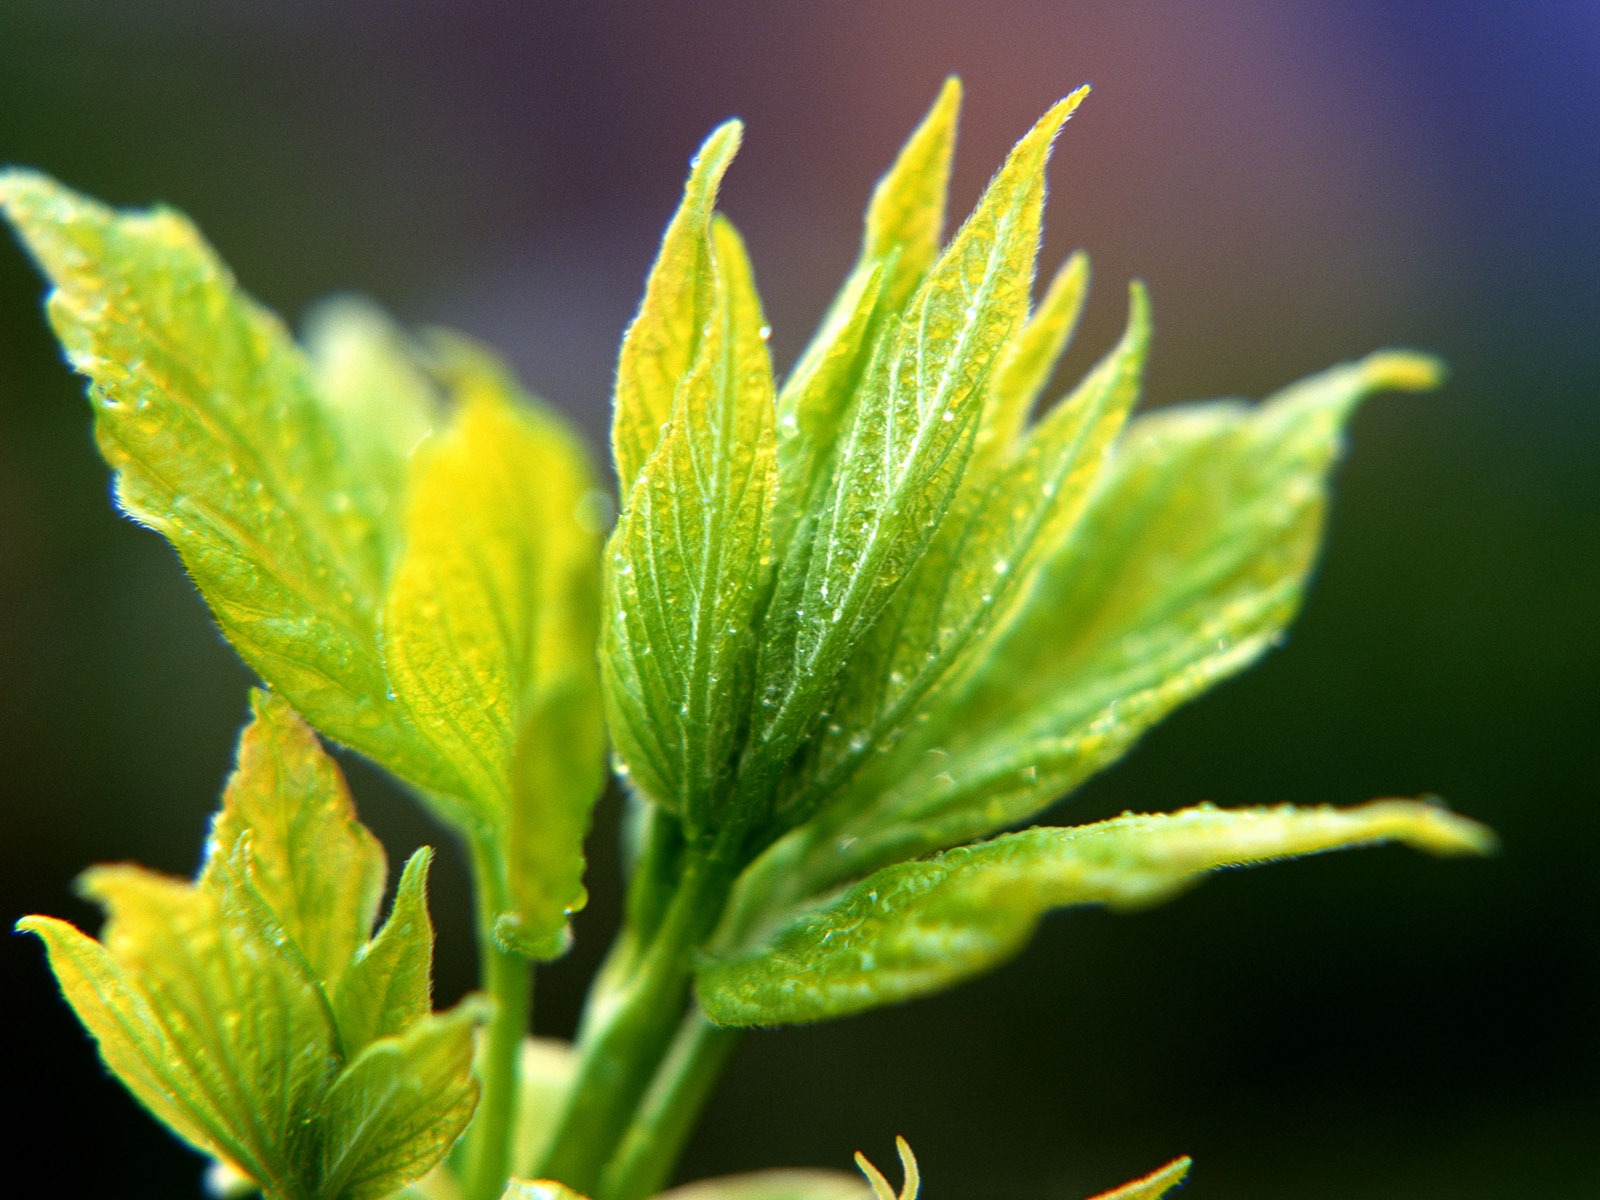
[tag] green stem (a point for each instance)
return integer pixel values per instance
(625, 1038)
(508, 979)
(670, 1109)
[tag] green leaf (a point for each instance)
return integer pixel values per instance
(313, 863)
(398, 1107)
(904, 222)
(919, 927)
(211, 1000)
(1185, 566)
(1029, 359)
(902, 455)
(389, 983)
(660, 345)
(818, 393)
(982, 563)
(132, 1039)
(487, 628)
(220, 439)
(212, 1024)
(1154, 1185)
(687, 563)
(905, 218)
(774, 1185)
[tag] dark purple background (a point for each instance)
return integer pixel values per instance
(1298, 182)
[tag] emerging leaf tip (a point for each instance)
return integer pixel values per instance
(1402, 371)
(717, 151)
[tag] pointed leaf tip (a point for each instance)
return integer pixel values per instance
(1403, 371)
(1152, 1186)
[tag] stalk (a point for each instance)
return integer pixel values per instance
(508, 980)
(624, 1040)
(670, 1109)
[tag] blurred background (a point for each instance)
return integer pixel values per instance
(1299, 182)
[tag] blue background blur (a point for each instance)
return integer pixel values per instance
(1298, 182)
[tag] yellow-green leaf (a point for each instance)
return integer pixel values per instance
(132, 1038)
(487, 631)
(905, 218)
(817, 394)
(1027, 362)
(902, 454)
(211, 1023)
(660, 344)
(687, 564)
(1184, 568)
(314, 864)
(1153, 1186)
(918, 927)
(982, 563)
(389, 984)
(399, 1106)
(904, 222)
(222, 1006)
(220, 439)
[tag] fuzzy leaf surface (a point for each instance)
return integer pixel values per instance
(902, 454)
(317, 867)
(220, 439)
(377, 394)
(1026, 364)
(980, 565)
(1186, 565)
(905, 217)
(389, 984)
(687, 564)
(398, 1107)
(918, 927)
(487, 628)
(659, 345)
(900, 241)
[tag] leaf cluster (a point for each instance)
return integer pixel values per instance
(393, 535)
(254, 1010)
(856, 628)
(879, 613)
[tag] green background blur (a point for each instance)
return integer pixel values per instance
(1298, 182)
